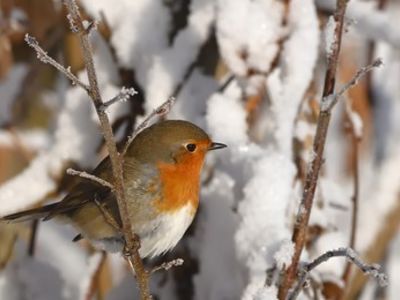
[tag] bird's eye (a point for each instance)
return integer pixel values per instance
(191, 147)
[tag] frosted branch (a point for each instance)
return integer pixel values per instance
(91, 177)
(45, 58)
(373, 270)
(168, 265)
(123, 96)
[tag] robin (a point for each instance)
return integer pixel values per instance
(162, 167)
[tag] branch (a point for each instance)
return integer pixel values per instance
(303, 215)
(91, 177)
(131, 240)
(371, 270)
(45, 58)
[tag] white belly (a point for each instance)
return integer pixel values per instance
(168, 230)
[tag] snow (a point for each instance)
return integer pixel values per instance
(248, 33)
(193, 98)
(138, 36)
(266, 293)
(283, 256)
(263, 226)
(287, 84)
(232, 128)
(169, 66)
(31, 139)
(330, 35)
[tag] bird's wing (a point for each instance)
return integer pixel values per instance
(138, 178)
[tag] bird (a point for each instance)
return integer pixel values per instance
(161, 171)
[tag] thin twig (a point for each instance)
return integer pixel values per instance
(91, 177)
(45, 58)
(355, 140)
(168, 265)
(32, 238)
(226, 83)
(123, 96)
(330, 101)
(107, 216)
(162, 110)
(373, 270)
(303, 215)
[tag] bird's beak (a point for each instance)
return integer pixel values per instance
(216, 146)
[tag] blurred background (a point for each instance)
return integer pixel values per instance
(251, 74)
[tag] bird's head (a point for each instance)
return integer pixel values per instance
(172, 142)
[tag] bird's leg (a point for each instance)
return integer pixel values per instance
(106, 214)
(127, 251)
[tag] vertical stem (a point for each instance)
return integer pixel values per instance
(132, 242)
(354, 199)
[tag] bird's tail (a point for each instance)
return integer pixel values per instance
(30, 214)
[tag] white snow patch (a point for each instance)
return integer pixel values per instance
(169, 67)
(263, 225)
(248, 33)
(226, 119)
(283, 256)
(330, 35)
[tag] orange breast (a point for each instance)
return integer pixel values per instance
(180, 183)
